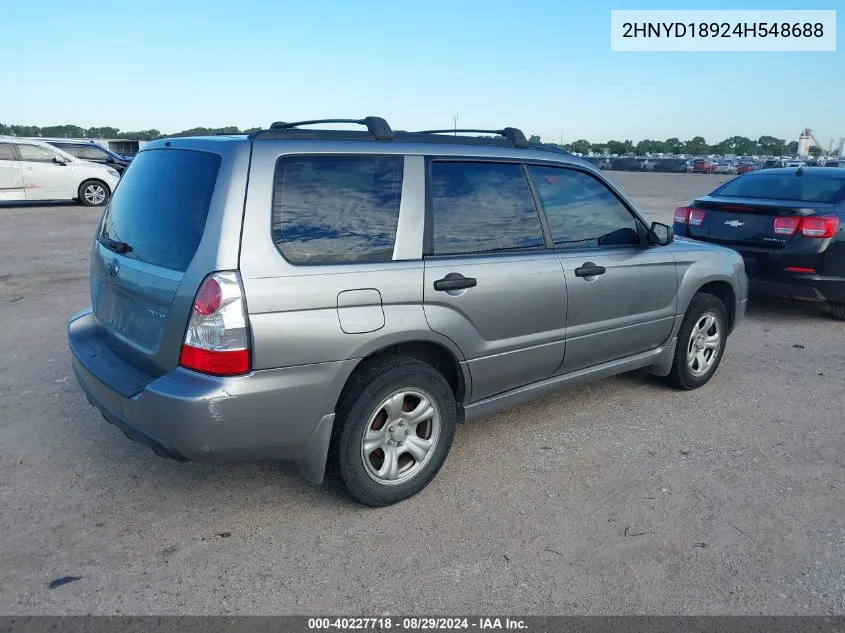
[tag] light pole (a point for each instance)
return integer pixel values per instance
(455, 123)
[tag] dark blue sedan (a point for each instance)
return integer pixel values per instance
(789, 226)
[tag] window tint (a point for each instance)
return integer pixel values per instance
(6, 152)
(331, 209)
(482, 207)
(161, 205)
(583, 212)
(805, 188)
(73, 150)
(92, 153)
(36, 154)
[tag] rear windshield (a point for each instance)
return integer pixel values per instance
(159, 208)
(806, 188)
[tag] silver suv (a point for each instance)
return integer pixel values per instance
(347, 297)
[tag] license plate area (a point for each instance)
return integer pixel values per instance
(128, 317)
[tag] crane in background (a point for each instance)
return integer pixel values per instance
(808, 140)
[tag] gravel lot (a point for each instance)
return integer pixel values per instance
(619, 497)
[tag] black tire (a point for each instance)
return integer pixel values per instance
(682, 375)
(356, 412)
(838, 310)
(90, 192)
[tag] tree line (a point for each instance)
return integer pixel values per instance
(697, 145)
(75, 131)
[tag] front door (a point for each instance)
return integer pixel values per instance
(621, 292)
(43, 178)
(11, 178)
(491, 283)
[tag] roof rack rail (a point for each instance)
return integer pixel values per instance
(514, 135)
(377, 126)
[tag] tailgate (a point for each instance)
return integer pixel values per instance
(147, 239)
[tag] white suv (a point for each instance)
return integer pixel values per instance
(32, 170)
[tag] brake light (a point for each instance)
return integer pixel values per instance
(681, 215)
(217, 341)
(800, 269)
(819, 226)
(696, 217)
(786, 225)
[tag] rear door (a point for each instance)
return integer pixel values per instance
(622, 294)
(491, 284)
(43, 178)
(145, 245)
(11, 176)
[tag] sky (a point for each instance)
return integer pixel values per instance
(544, 66)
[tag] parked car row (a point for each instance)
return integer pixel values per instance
(700, 165)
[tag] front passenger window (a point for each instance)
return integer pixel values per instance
(36, 154)
(582, 211)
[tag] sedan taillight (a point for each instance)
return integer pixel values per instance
(811, 226)
(818, 226)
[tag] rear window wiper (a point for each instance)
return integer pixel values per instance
(114, 245)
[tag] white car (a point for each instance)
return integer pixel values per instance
(32, 170)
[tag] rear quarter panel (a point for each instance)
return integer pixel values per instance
(306, 314)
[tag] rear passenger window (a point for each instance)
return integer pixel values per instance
(482, 208)
(337, 209)
(582, 211)
(6, 152)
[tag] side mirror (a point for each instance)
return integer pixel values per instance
(59, 161)
(660, 234)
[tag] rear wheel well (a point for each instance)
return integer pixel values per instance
(439, 357)
(432, 354)
(724, 292)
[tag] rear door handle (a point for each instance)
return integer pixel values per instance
(455, 281)
(589, 269)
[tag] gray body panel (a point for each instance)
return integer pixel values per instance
(628, 310)
(528, 327)
(510, 327)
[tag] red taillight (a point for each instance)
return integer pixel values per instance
(214, 362)
(786, 225)
(809, 226)
(217, 341)
(799, 269)
(818, 226)
(696, 217)
(682, 215)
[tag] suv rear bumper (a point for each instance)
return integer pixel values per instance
(280, 414)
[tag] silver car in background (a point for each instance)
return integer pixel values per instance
(347, 297)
